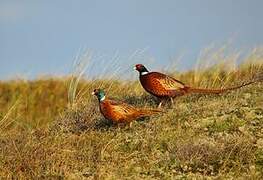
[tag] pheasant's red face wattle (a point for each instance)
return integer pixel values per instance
(140, 68)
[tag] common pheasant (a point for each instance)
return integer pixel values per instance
(119, 112)
(165, 87)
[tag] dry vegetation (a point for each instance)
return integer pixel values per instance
(52, 129)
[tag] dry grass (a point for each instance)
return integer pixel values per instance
(49, 130)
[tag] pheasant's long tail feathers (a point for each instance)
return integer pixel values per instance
(148, 112)
(216, 91)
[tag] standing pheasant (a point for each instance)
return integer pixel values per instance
(119, 112)
(165, 87)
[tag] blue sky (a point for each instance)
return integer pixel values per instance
(43, 37)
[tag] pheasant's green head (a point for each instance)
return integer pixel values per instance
(99, 93)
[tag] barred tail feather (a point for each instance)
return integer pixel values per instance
(216, 91)
(148, 112)
(204, 91)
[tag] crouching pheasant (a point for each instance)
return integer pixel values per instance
(119, 112)
(165, 87)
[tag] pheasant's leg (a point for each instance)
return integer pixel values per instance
(130, 124)
(172, 102)
(160, 104)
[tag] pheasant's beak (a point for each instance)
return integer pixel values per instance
(93, 93)
(134, 68)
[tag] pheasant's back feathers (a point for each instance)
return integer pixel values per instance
(119, 112)
(161, 85)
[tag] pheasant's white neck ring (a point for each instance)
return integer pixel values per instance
(102, 98)
(144, 73)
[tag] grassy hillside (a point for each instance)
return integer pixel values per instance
(52, 128)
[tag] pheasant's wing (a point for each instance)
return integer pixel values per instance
(170, 83)
(123, 108)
